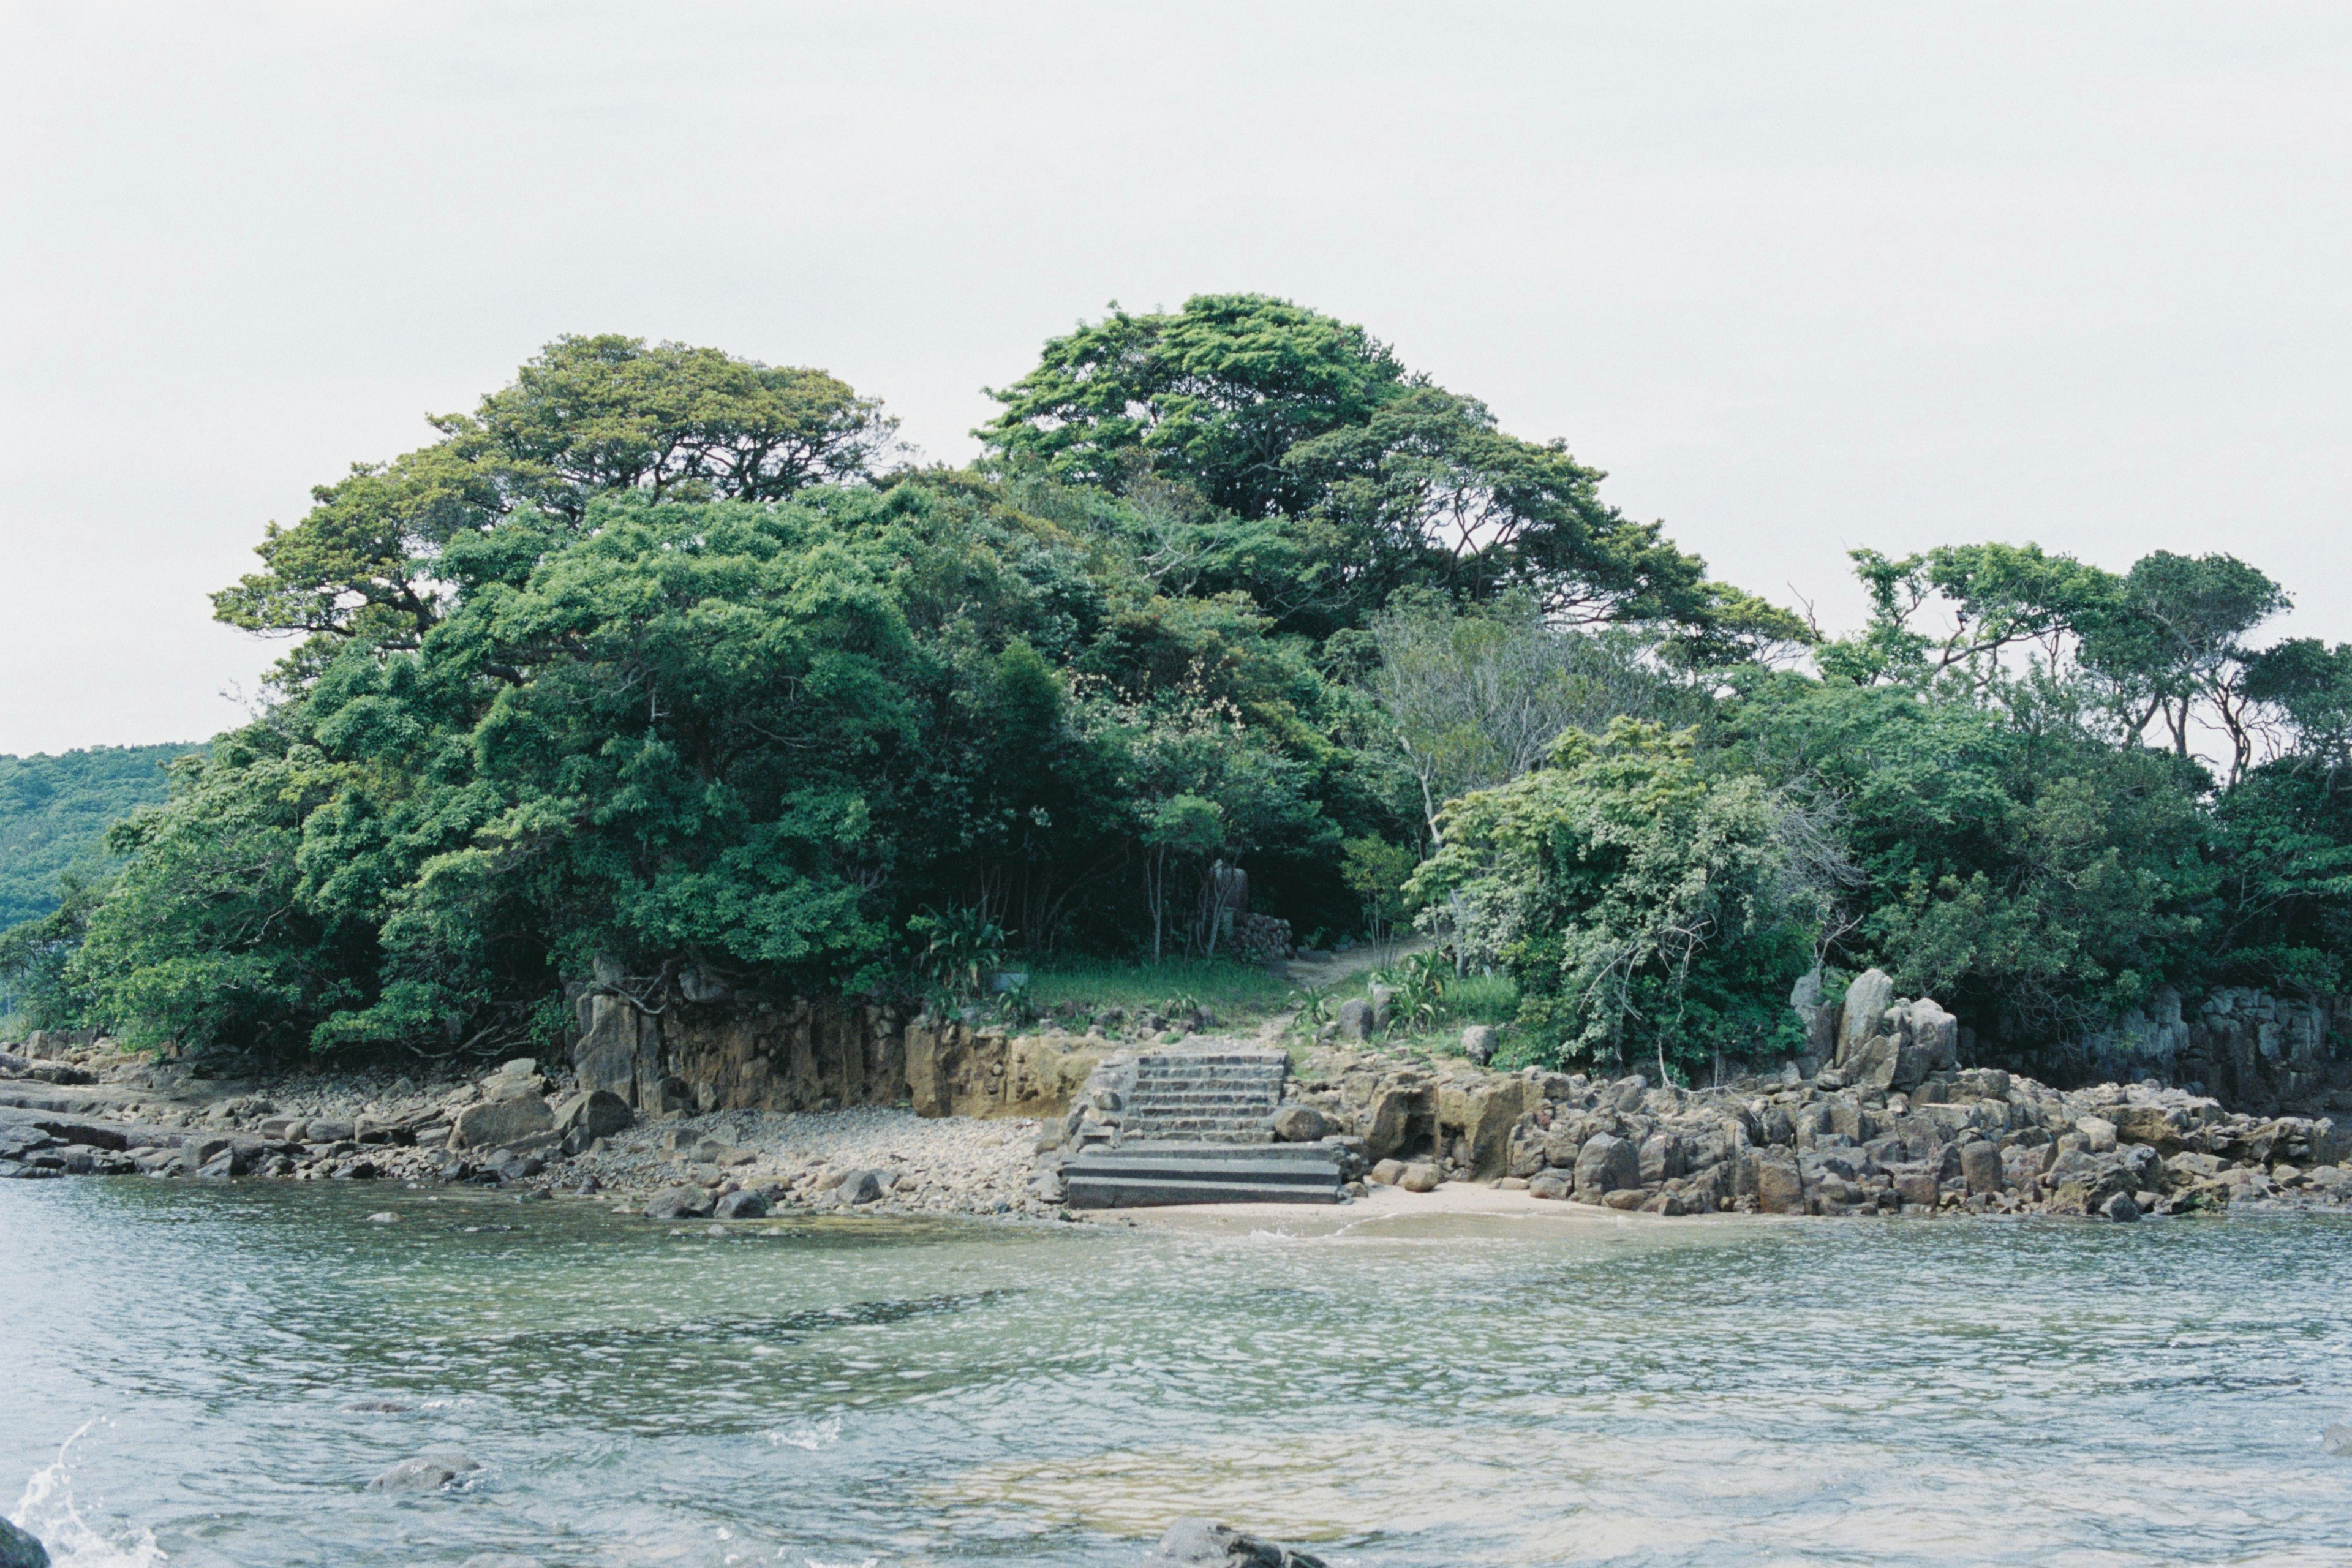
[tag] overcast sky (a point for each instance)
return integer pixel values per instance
(1800, 278)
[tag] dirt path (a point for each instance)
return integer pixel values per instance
(1331, 971)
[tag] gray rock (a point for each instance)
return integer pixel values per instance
(1300, 1124)
(1550, 1185)
(198, 1153)
(2120, 1208)
(1478, 1042)
(1355, 1019)
(599, 1113)
(861, 1187)
(1980, 1164)
(1383, 999)
(20, 1550)
(501, 1122)
(1387, 1173)
(1779, 1187)
(1865, 1008)
(1605, 1165)
(740, 1206)
(326, 1130)
(1661, 1158)
(424, 1473)
(1418, 1179)
(679, 1203)
(1201, 1544)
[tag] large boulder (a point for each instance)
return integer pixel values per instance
(198, 1153)
(501, 1124)
(19, 1549)
(679, 1203)
(1913, 1040)
(1482, 1115)
(744, 1204)
(1661, 1158)
(2162, 1128)
(598, 1113)
(1819, 1022)
(1780, 1186)
(1865, 1006)
(1980, 1164)
(861, 1187)
(2082, 1182)
(1605, 1165)
(1401, 1116)
(1299, 1124)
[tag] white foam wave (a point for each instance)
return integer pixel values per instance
(812, 1435)
(47, 1511)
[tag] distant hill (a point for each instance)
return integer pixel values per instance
(54, 811)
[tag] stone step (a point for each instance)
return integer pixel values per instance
(1299, 1153)
(1143, 1176)
(1206, 1098)
(1237, 1080)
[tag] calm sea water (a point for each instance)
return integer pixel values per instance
(232, 1365)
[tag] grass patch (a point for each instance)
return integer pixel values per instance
(1471, 999)
(1228, 989)
(1483, 999)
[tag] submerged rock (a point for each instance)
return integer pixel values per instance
(1207, 1544)
(424, 1473)
(20, 1550)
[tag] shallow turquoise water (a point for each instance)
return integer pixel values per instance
(1827, 1391)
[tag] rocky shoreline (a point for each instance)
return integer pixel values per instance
(1889, 1124)
(89, 1109)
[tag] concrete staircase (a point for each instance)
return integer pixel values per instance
(1204, 1096)
(1195, 1126)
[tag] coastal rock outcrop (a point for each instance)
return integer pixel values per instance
(1973, 1140)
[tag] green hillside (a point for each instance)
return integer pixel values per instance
(54, 810)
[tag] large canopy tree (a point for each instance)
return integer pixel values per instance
(1324, 477)
(382, 553)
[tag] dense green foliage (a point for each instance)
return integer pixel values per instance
(653, 670)
(1645, 905)
(54, 811)
(2086, 787)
